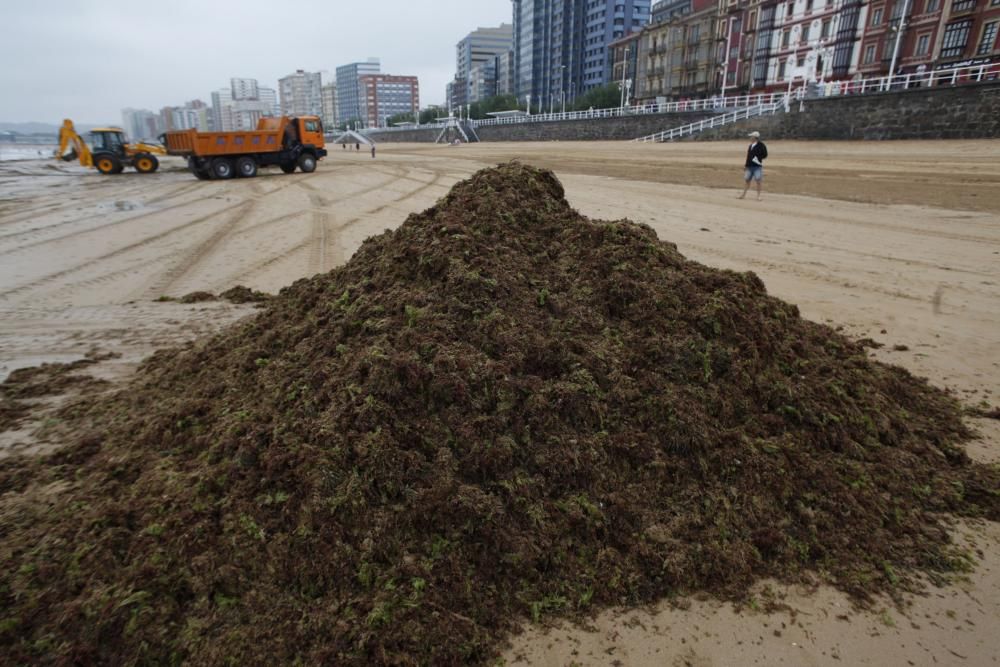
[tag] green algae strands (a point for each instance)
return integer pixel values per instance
(501, 412)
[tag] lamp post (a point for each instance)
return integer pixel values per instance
(899, 37)
(725, 56)
(624, 71)
(562, 87)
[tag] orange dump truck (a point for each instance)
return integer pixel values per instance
(283, 142)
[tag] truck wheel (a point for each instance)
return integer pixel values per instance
(200, 174)
(146, 163)
(107, 163)
(307, 163)
(246, 167)
(222, 168)
(288, 167)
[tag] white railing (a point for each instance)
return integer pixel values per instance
(942, 77)
(709, 104)
(716, 121)
(410, 128)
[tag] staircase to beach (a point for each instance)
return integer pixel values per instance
(719, 120)
(470, 131)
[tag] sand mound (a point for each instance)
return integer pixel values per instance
(501, 410)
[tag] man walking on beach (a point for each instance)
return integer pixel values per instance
(754, 167)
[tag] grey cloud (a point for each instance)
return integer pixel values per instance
(87, 60)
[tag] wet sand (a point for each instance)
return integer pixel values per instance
(873, 237)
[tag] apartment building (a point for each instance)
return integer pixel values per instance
(561, 47)
(968, 33)
(329, 97)
(301, 94)
(349, 92)
(625, 64)
(385, 95)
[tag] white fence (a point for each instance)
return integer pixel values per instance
(931, 78)
(716, 121)
(719, 104)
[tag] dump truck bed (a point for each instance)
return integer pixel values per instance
(204, 144)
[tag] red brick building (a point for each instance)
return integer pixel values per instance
(921, 29)
(385, 95)
(969, 33)
(936, 34)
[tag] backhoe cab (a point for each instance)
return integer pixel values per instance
(108, 151)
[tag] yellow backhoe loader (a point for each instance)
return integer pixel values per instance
(108, 151)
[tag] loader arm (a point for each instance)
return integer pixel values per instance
(68, 137)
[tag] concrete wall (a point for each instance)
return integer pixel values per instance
(961, 112)
(945, 112)
(428, 134)
(592, 129)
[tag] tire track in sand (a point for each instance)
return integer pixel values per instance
(132, 218)
(332, 253)
(115, 192)
(435, 182)
(191, 260)
(48, 278)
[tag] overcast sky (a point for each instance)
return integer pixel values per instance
(88, 59)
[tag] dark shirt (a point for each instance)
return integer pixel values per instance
(758, 150)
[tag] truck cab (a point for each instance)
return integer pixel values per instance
(311, 131)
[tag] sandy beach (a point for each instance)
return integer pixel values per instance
(875, 238)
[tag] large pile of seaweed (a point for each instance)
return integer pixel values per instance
(500, 411)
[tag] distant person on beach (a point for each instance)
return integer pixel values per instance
(373, 151)
(343, 147)
(753, 169)
(357, 146)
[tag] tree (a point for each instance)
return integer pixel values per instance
(402, 118)
(479, 110)
(605, 97)
(428, 115)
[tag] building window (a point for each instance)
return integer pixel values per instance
(876, 16)
(869, 54)
(825, 30)
(923, 44)
(989, 36)
(932, 6)
(962, 5)
(785, 37)
(956, 36)
(781, 70)
(805, 33)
